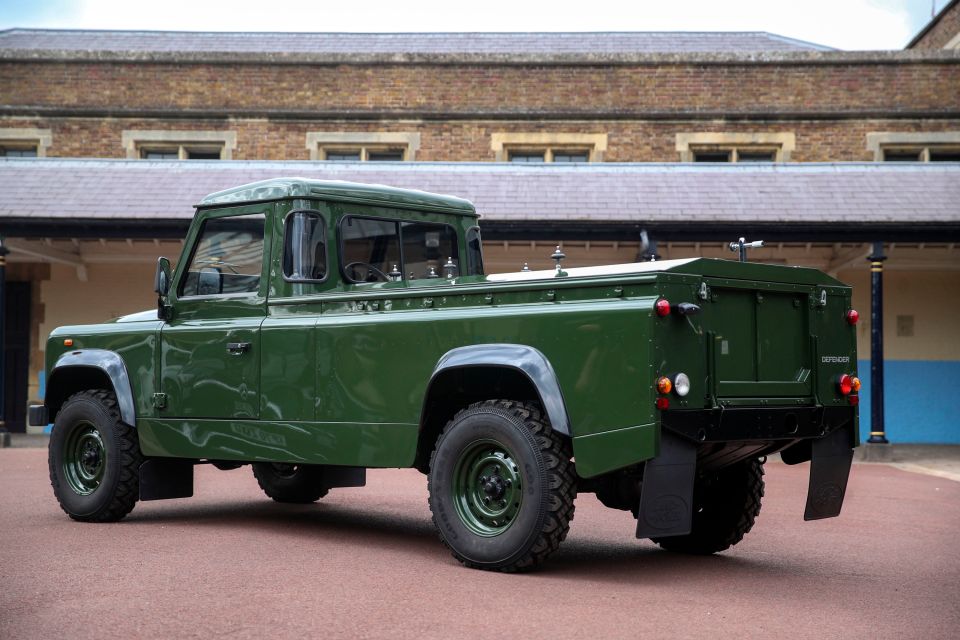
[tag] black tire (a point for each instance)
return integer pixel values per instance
(94, 459)
(519, 514)
(726, 504)
(290, 483)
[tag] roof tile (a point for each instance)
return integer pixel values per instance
(400, 43)
(602, 192)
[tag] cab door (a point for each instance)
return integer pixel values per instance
(210, 348)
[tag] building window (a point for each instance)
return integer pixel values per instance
(921, 154)
(341, 146)
(527, 156)
(362, 154)
(10, 151)
(181, 152)
(179, 145)
(733, 154)
(550, 154)
(548, 147)
(941, 146)
(24, 143)
(735, 147)
(563, 155)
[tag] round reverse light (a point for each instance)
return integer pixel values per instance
(681, 384)
(845, 384)
(662, 307)
(853, 316)
(664, 385)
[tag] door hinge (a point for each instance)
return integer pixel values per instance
(160, 400)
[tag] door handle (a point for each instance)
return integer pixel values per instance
(237, 348)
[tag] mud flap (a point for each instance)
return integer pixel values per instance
(166, 478)
(666, 496)
(334, 476)
(829, 470)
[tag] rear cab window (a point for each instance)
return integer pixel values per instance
(474, 253)
(388, 250)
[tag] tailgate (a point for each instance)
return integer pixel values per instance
(762, 343)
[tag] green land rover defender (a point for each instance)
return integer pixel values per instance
(316, 329)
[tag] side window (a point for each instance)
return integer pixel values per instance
(427, 248)
(474, 253)
(371, 249)
(305, 247)
(227, 258)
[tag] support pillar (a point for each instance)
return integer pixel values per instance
(4, 437)
(878, 447)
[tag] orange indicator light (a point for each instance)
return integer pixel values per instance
(68, 342)
(664, 385)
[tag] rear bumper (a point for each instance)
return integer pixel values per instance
(37, 415)
(740, 424)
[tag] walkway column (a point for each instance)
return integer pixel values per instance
(3, 347)
(878, 434)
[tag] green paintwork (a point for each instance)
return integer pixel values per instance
(352, 444)
(600, 452)
(84, 458)
(336, 373)
(487, 488)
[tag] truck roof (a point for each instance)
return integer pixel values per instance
(341, 191)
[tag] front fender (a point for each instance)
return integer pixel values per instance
(527, 360)
(108, 363)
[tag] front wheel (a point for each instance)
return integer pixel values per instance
(501, 486)
(94, 459)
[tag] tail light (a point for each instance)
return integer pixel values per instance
(663, 403)
(853, 317)
(662, 307)
(845, 384)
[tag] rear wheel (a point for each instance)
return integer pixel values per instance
(94, 459)
(501, 486)
(726, 504)
(292, 483)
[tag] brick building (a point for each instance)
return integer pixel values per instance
(943, 32)
(584, 139)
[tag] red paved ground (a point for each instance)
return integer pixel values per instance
(366, 563)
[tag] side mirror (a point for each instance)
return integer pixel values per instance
(161, 280)
(161, 285)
